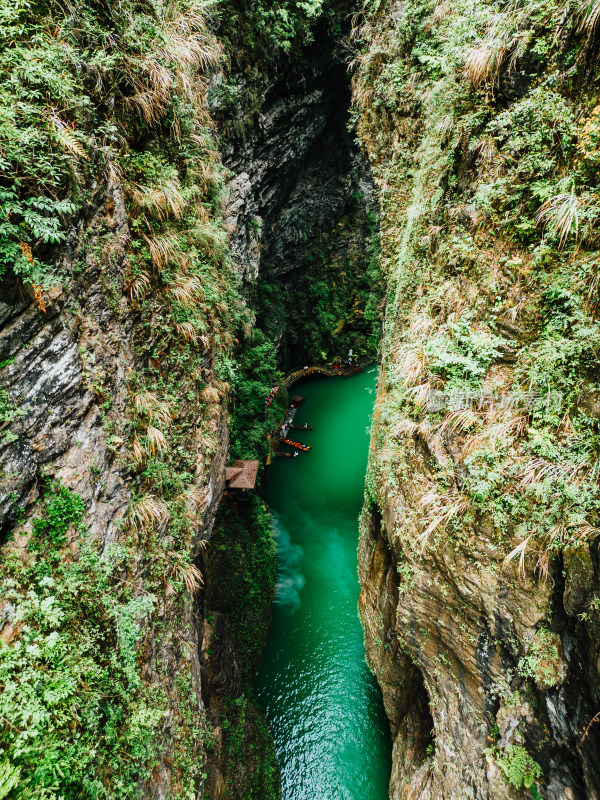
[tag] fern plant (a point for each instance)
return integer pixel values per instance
(518, 766)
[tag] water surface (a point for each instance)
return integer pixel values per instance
(323, 704)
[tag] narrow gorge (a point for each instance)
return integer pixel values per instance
(199, 199)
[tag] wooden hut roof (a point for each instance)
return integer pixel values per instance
(242, 475)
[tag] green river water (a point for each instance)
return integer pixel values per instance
(322, 702)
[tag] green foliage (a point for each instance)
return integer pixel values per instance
(250, 421)
(265, 25)
(336, 302)
(9, 410)
(541, 663)
(34, 83)
(76, 721)
(518, 766)
(462, 353)
(242, 575)
(140, 63)
(63, 510)
(9, 778)
(241, 583)
(488, 239)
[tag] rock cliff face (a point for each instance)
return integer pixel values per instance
(70, 360)
(300, 203)
(478, 557)
(296, 166)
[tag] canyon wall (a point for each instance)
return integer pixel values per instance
(478, 556)
(300, 204)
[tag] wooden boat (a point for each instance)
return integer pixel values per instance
(297, 445)
(302, 427)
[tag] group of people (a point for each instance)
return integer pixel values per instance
(338, 364)
(271, 396)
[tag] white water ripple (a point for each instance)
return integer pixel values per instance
(290, 580)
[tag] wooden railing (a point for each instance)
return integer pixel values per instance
(293, 377)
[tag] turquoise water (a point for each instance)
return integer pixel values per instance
(323, 704)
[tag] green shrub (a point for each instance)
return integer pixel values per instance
(75, 719)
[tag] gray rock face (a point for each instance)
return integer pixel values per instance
(62, 363)
(296, 169)
(451, 643)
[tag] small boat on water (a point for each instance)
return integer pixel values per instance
(285, 455)
(297, 445)
(302, 427)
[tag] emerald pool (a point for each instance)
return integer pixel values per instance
(322, 702)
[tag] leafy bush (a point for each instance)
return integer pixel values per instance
(251, 422)
(76, 721)
(266, 25)
(63, 510)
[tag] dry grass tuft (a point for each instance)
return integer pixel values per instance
(560, 214)
(162, 201)
(459, 421)
(408, 427)
(137, 451)
(421, 395)
(183, 570)
(483, 63)
(138, 286)
(157, 441)
(148, 405)
(185, 47)
(147, 513)
(440, 12)
(165, 249)
(540, 470)
(592, 289)
(514, 312)
(187, 291)
(413, 366)
(187, 332)
(566, 534)
(441, 509)
(519, 552)
(497, 432)
(210, 394)
(589, 15)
